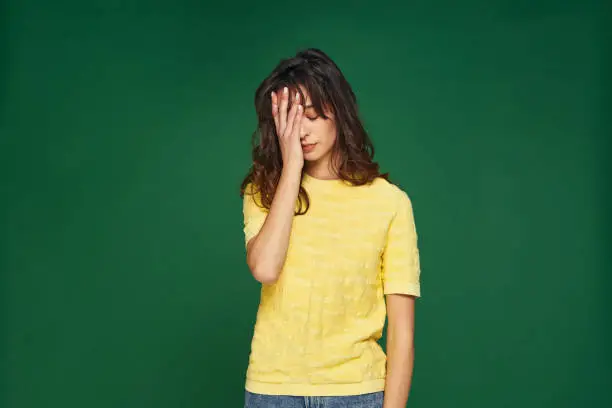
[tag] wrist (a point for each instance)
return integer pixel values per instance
(292, 171)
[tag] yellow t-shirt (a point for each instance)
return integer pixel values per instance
(318, 325)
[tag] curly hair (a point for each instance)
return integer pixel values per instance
(329, 91)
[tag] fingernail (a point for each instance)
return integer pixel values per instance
(285, 91)
(297, 96)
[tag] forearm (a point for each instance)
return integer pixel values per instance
(267, 251)
(400, 364)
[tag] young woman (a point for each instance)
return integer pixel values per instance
(333, 243)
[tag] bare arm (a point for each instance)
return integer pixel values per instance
(400, 350)
(266, 252)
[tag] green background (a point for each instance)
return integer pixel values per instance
(125, 130)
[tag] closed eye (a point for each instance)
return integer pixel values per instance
(310, 113)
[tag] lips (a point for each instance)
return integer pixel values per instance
(308, 147)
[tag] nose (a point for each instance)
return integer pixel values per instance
(303, 130)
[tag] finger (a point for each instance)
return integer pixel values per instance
(297, 122)
(291, 117)
(275, 111)
(282, 111)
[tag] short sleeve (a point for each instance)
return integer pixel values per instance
(400, 259)
(253, 212)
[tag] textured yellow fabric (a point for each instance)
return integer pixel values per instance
(317, 327)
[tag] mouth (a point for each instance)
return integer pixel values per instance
(308, 146)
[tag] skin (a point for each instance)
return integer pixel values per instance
(400, 349)
(322, 133)
(266, 252)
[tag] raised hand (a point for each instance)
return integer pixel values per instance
(288, 129)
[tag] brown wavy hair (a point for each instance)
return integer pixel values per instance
(329, 91)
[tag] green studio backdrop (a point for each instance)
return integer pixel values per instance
(125, 134)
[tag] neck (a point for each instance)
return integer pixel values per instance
(322, 171)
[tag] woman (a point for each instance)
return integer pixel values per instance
(334, 245)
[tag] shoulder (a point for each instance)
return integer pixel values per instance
(252, 196)
(389, 191)
(392, 197)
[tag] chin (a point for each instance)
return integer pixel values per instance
(311, 157)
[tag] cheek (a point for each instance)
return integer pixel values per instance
(328, 131)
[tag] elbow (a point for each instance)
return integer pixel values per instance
(267, 276)
(263, 273)
(262, 268)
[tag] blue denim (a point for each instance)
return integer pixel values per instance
(371, 400)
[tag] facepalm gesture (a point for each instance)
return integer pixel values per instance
(288, 126)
